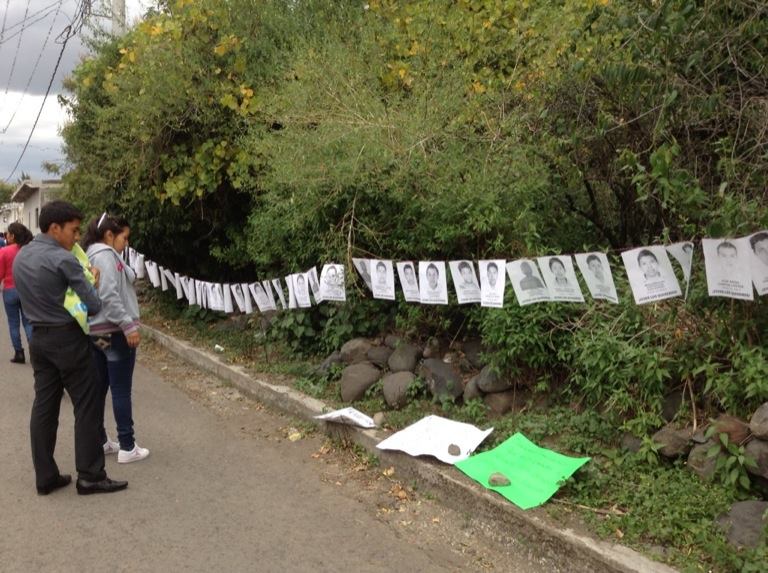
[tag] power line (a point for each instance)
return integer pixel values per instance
(34, 68)
(68, 32)
(5, 17)
(16, 55)
(32, 15)
(30, 21)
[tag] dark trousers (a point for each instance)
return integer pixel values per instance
(62, 360)
(115, 370)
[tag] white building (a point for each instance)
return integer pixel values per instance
(33, 195)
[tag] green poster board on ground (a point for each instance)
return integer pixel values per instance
(535, 473)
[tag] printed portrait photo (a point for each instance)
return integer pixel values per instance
(301, 288)
(560, 278)
(683, 254)
(291, 292)
(465, 281)
(433, 282)
(270, 295)
(332, 283)
(260, 296)
(278, 288)
(650, 273)
(729, 267)
(492, 283)
(527, 283)
(596, 270)
(363, 267)
(382, 279)
(314, 284)
(228, 306)
(408, 281)
(758, 244)
(237, 295)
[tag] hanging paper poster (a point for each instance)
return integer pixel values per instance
(215, 296)
(596, 270)
(189, 290)
(247, 299)
(163, 279)
(139, 266)
(650, 274)
(408, 281)
(198, 292)
(728, 266)
(270, 295)
(314, 284)
(527, 282)
(560, 278)
(383, 279)
(154, 276)
(465, 281)
(261, 298)
(280, 293)
(492, 283)
(239, 297)
(301, 290)
(759, 247)
(683, 254)
(179, 286)
(291, 292)
(332, 283)
(227, 298)
(433, 283)
(363, 267)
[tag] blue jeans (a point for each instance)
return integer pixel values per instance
(13, 312)
(115, 371)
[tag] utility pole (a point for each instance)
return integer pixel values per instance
(118, 17)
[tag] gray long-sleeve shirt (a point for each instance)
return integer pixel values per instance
(43, 270)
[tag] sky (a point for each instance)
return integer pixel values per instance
(28, 55)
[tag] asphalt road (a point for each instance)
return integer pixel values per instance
(223, 490)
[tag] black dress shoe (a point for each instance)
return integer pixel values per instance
(18, 357)
(104, 486)
(62, 481)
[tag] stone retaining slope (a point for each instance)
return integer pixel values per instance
(566, 549)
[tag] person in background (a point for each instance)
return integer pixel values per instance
(17, 236)
(115, 329)
(3, 241)
(60, 352)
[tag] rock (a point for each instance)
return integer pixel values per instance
(489, 381)
(700, 464)
(699, 436)
(395, 387)
(499, 403)
(758, 423)
(355, 350)
(443, 382)
(758, 451)
(498, 479)
(356, 379)
(233, 324)
(379, 355)
(737, 430)
(454, 450)
(631, 443)
(472, 350)
(325, 366)
(393, 341)
(404, 358)
(432, 349)
(378, 418)
(744, 524)
(673, 441)
(671, 405)
(471, 391)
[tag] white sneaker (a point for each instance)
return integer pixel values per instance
(111, 447)
(134, 455)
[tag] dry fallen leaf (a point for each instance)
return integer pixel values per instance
(619, 533)
(435, 520)
(389, 472)
(294, 436)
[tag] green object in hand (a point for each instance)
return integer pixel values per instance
(72, 301)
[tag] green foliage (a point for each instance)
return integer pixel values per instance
(732, 465)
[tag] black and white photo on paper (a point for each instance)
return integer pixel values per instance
(758, 244)
(560, 278)
(260, 296)
(492, 283)
(596, 270)
(728, 265)
(270, 295)
(526, 281)
(650, 273)
(227, 292)
(433, 282)
(363, 267)
(465, 281)
(198, 292)
(332, 283)
(314, 284)
(301, 288)
(237, 295)
(179, 287)
(280, 293)
(382, 279)
(682, 252)
(291, 292)
(408, 281)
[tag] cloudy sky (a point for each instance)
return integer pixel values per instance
(28, 53)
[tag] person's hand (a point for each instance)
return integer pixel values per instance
(96, 276)
(133, 339)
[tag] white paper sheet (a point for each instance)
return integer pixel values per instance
(597, 274)
(179, 286)
(280, 293)
(332, 283)
(260, 296)
(650, 274)
(363, 267)
(163, 279)
(560, 276)
(349, 416)
(247, 298)
(409, 282)
(465, 281)
(728, 264)
(759, 246)
(152, 272)
(526, 281)
(270, 295)
(492, 283)
(227, 298)
(314, 284)
(433, 436)
(382, 279)
(433, 283)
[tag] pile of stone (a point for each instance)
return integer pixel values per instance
(454, 375)
(744, 522)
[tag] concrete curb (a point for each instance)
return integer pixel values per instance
(564, 548)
